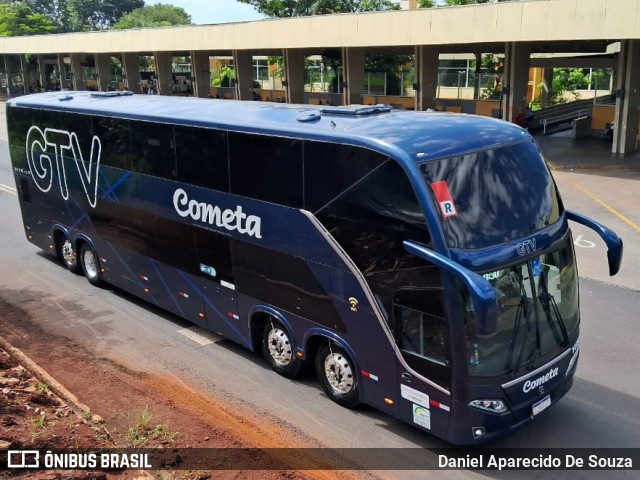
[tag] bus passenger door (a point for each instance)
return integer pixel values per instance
(422, 335)
(216, 278)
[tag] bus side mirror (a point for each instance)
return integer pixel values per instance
(483, 296)
(611, 239)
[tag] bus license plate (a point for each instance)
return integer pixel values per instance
(541, 405)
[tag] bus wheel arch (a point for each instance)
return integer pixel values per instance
(336, 370)
(66, 250)
(276, 343)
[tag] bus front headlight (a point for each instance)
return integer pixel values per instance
(492, 406)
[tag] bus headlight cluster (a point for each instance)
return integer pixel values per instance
(493, 406)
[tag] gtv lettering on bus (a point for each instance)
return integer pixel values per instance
(538, 382)
(42, 145)
(214, 215)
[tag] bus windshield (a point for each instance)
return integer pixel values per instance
(538, 315)
(497, 194)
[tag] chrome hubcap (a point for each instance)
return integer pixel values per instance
(339, 373)
(68, 253)
(90, 264)
(279, 347)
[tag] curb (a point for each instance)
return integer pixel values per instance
(56, 387)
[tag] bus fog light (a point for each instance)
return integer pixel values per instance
(493, 406)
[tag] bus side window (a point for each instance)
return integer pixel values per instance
(202, 157)
(115, 138)
(266, 168)
(330, 169)
(420, 325)
(154, 149)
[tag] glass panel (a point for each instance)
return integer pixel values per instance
(371, 219)
(154, 149)
(492, 196)
(202, 157)
(266, 168)
(538, 317)
(420, 326)
(330, 169)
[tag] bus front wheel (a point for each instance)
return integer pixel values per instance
(277, 349)
(337, 374)
(90, 264)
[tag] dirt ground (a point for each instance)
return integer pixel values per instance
(125, 409)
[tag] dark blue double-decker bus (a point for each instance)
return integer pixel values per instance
(422, 262)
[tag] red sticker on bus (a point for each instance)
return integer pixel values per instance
(443, 195)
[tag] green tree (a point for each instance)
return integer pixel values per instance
(19, 19)
(449, 3)
(297, 8)
(56, 10)
(158, 15)
(98, 14)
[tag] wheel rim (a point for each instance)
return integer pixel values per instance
(339, 373)
(90, 266)
(68, 253)
(279, 347)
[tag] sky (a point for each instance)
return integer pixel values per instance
(214, 11)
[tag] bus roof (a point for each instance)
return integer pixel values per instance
(421, 135)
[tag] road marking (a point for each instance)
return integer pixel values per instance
(582, 242)
(607, 206)
(7, 188)
(199, 335)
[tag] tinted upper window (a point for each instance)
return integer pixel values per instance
(154, 149)
(329, 169)
(266, 168)
(499, 195)
(115, 138)
(202, 157)
(372, 218)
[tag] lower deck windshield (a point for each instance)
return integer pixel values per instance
(538, 315)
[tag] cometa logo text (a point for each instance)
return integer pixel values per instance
(213, 215)
(541, 380)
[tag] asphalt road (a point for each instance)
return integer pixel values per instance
(602, 409)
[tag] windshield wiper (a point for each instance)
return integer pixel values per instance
(549, 304)
(523, 312)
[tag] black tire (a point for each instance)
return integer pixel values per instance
(337, 375)
(90, 264)
(277, 349)
(68, 255)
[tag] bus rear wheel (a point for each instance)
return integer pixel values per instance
(68, 255)
(337, 374)
(277, 349)
(90, 264)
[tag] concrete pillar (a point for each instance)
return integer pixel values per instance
(163, 73)
(243, 60)
(516, 79)
(103, 67)
(62, 72)
(294, 65)
(625, 135)
(77, 72)
(353, 62)
(26, 78)
(41, 72)
(131, 71)
(427, 62)
(547, 87)
(201, 73)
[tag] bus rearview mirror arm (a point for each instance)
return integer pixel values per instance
(483, 296)
(611, 239)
